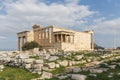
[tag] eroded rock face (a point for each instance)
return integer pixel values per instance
(28, 66)
(62, 77)
(29, 61)
(78, 57)
(46, 75)
(38, 61)
(70, 63)
(51, 65)
(63, 63)
(112, 66)
(36, 50)
(39, 66)
(76, 70)
(96, 70)
(22, 56)
(57, 65)
(45, 68)
(52, 58)
(78, 77)
(44, 56)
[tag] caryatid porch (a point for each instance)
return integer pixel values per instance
(64, 36)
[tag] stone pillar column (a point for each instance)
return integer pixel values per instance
(19, 43)
(44, 37)
(37, 36)
(73, 39)
(65, 38)
(40, 38)
(52, 35)
(45, 32)
(61, 38)
(23, 41)
(70, 39)
(57, 38)
(92, 41)
(48, 35)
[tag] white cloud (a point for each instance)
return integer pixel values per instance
(22, 14)
(71, 2)
(2, 37)
(108, 27)
(99, 20)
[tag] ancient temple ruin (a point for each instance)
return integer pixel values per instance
(54, 38)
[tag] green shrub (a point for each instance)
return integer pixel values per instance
(31, 45)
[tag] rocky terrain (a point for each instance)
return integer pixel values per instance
(64, 65)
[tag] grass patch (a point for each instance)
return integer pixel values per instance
(13, 73)
(92, 55)
(58, 70)
(35, 57)
(53, 79)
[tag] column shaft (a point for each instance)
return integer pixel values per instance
(65, 38)
(48, 36)
(52, 36)
(69, 39)
(57, 38)
(61, 38)
(22, 41)
(18, 43)
(73, 39)
(92, 37)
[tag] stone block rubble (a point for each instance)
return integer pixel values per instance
(48, 61)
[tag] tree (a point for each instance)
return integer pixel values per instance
(31, 45)
(97, 46)
(118, 47)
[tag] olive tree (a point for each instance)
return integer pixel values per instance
(31, 45)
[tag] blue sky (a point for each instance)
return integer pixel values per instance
(102, 16)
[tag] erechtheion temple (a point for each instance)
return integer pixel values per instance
(55, 38)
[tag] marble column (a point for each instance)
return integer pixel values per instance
(57, 38)
(48, 34)
(92, 41)
(40, 38)
(73, 39)
(52, 35)
(19, 43)
(61, 38)
(70, 39)
(23, 41)
(65, 38)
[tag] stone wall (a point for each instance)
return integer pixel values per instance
(82, 41)
(30, 36)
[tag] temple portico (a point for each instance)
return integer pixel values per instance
(22, 39)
